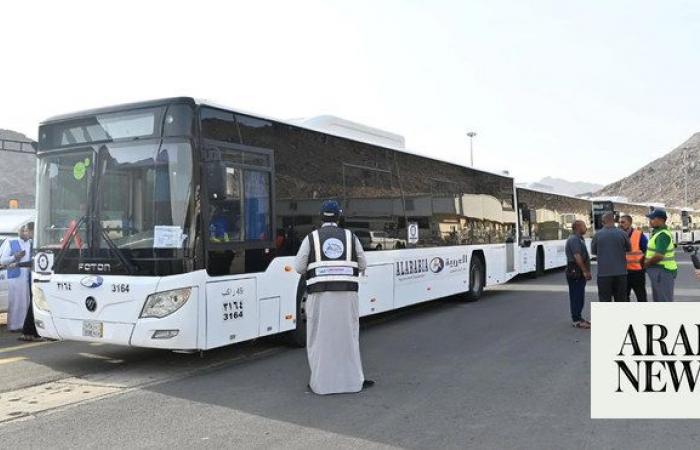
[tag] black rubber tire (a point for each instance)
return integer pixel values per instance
(297, 337)
(477, 279)
(539, 262)
(378, 247)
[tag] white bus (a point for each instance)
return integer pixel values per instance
(545, 220)
(173, 223)
(690, 223)
(637, 211)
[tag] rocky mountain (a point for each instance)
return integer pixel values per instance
(664, 179)
(17, 173)
(561, 186)
(570, 187)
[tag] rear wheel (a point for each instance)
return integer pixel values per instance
(539, 262)
(297, 337)
(477, 278)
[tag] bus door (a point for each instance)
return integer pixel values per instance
(238, 214)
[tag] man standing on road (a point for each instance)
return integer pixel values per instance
(635, 260)
(611, 245)
(332, 259)
(578, 272)
(660, 260)
(14, 252)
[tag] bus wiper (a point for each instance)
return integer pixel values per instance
(130, 267)
(67, 241)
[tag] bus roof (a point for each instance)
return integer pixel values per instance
(330, 125)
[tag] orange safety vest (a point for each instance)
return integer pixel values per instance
(635, 256)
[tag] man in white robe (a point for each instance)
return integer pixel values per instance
(16, 251)
(332, 308)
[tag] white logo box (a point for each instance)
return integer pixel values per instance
(610, 329)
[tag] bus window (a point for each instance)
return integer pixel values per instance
(225, 206)
(257, 205)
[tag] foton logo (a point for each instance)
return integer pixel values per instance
(94, 267)
(645, 360)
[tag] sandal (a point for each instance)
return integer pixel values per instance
(582, 324)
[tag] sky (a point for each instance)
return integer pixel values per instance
(582, 90)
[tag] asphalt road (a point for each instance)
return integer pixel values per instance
(508, 371)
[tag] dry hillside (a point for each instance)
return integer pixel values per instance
(17, 174)
(663, 180)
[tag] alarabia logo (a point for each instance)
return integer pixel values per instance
(437, 264)
(412, 267)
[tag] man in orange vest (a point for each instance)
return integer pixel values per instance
(635, 260)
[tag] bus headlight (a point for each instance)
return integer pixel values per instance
(39, 299)
(162, 304)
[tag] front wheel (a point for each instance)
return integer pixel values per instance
(297, 337)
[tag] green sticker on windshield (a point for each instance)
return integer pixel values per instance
(79, 170)
(87, 162)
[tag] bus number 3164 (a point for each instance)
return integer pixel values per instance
(233, 310)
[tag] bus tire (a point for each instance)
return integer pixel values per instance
(477, 278)
(297, 336)
(539, 262)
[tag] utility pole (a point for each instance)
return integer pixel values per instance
(687, 167)
(471, 135)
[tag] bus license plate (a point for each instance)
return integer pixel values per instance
(92, 329)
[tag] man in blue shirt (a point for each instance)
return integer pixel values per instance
(636, 276)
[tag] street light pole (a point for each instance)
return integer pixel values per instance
(471, 135)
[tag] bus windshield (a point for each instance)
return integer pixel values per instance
(137, 196)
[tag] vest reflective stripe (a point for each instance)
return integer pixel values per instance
(314, 265)
(317, 245)
(635, 255)
(15, 248)
(348, 240)
(331, 278)
(669, 260)
(325, 273)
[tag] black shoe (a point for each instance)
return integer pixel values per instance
(367, 384)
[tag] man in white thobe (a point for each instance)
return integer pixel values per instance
(332, 258)
(16, 251)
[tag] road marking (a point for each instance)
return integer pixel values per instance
(11, 360)
(93, 356)
(29, 401)
(75, 391)
(102, 357)
(23, 346)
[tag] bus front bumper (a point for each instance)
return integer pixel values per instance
(166, 333)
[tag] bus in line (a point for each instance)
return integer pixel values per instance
(173, 223)
(545, 222)
(690, 223)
